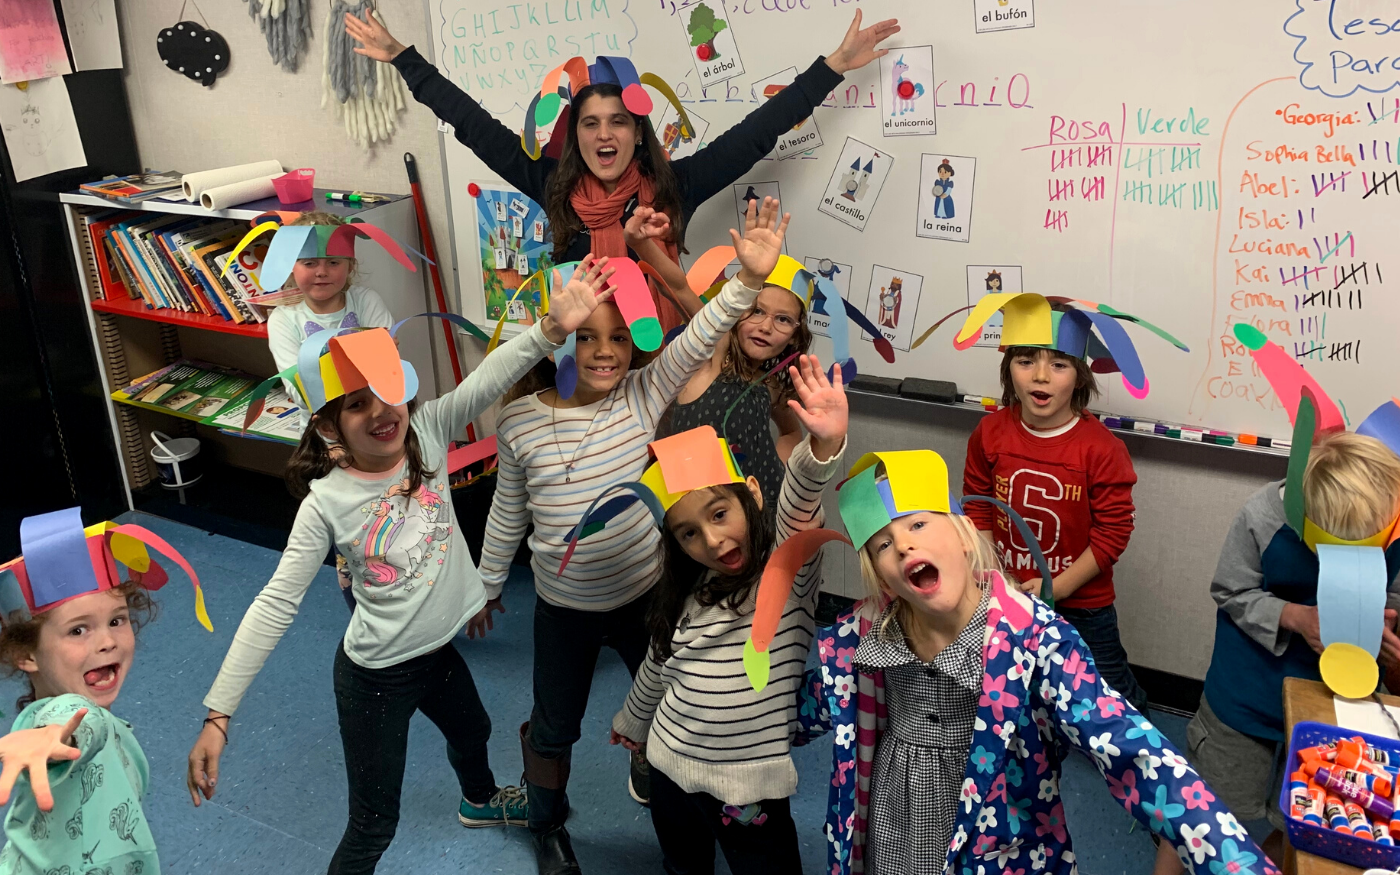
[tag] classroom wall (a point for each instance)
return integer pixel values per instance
(257, 111)
(1186, 497)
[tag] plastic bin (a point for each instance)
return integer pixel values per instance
(1320, 840)
(177, 460)
(295, 186)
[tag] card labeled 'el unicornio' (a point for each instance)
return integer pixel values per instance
(906, 86)
(805, 136)
(988, 279)
(840, 276)
(711, 38)
(945, 197)
(855, 183)
(893, 304)
(756, 191)
(674, 140)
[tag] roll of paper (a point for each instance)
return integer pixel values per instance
(225, 196)
(195, 184)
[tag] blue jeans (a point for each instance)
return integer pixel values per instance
(1099, 629)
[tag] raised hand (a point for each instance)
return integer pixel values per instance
(820, 405)
(646, 224)
(570, 306)
(858, 47)
(762, 243)
(378, 44)
(33, 750)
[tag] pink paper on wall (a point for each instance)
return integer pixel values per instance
(31, 43)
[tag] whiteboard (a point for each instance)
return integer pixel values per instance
(1196, 164)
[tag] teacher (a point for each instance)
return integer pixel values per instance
(612, 162)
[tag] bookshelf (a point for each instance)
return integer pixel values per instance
(241, 486)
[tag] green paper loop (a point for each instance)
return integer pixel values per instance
(646, 333)
(547, 109)
(1304, 425)
(756, 666)
(1250, 336)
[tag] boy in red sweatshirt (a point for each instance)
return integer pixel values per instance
(1072, 480)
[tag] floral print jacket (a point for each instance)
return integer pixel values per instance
(1041, 696)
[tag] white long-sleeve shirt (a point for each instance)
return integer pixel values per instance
(414, 582)
(705, 726)
(555, 461)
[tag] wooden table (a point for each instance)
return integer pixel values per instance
(1311, 700)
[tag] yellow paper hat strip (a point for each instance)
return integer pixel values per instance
(1313, 534)
(655, 480)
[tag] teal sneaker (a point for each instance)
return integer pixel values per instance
(508, 807)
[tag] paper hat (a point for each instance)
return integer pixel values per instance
(332, 364)
(290, 243)
(553, 100)
(691, 460)
(62, 560)
(632, 296)
(1352, 575)
(1075, 327)
(816, 292)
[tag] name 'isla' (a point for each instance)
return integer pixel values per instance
(1008, 15)
(719, 68)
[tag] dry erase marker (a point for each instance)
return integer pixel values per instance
(1174, 432)
(1112, 422)
(343, 197)
(1265, 442)
(972, 399)
(1147, 427)
(1281, 443)
(1191, 434)
(1161, 428)
(1248, 439)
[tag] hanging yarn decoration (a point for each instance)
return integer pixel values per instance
(286, 25)
(367, 94)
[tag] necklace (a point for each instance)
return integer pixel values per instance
(558, 448)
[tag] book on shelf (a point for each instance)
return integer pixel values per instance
(240, 274)
(135, 188)
(214, 396)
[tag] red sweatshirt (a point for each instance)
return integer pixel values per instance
(1074, 490)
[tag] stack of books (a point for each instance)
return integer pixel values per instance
(177, 262)
(214, 396)
(137, 188)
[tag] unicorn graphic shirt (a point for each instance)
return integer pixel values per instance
(405, 541)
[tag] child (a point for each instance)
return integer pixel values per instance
(966, 692)
(718, 748)
(1266, 625)
(1052, 461)
(70, 625)
(389, 512)
(555, 456)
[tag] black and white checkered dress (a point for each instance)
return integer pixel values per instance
(922, 756)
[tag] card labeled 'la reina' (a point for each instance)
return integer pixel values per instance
(906, 86)
(993, 15)
(711, 39)
(804, 136)
(840, 276)
(855, 183)
(945, 197)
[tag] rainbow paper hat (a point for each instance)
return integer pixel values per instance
(632, 296)
(691, 460)
(1083, 329)
(815, 291)
(553, 100)
(332, 364)
(62, 560)
(290, 243)
(1352, 575)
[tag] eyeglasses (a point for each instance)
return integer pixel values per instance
(781, 321)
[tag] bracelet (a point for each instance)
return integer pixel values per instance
(222, 731)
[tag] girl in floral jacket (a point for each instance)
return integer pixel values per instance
(954, 698)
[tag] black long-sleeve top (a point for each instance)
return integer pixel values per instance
(700, 176)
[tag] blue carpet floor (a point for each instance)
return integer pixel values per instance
(281, 801)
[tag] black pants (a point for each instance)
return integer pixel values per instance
(1099, 629)
(567, 643)
(688, 825)
(374, 705)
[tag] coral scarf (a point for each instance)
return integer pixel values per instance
(602, 214)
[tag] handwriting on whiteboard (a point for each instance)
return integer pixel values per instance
(1345, 47)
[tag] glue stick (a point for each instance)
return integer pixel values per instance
(1332, 780)
(1359, 750)
(1381, 786)
(1356, 819)
(1382, 833)
(1319, 753)
(1336, 814)
(1305, 801)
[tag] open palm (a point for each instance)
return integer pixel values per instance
(858, 47)
(821, 404)
(378, 44)
(571, 305)
(762, 243)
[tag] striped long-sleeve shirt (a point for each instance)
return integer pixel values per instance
(705, 726)
(555, 461)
